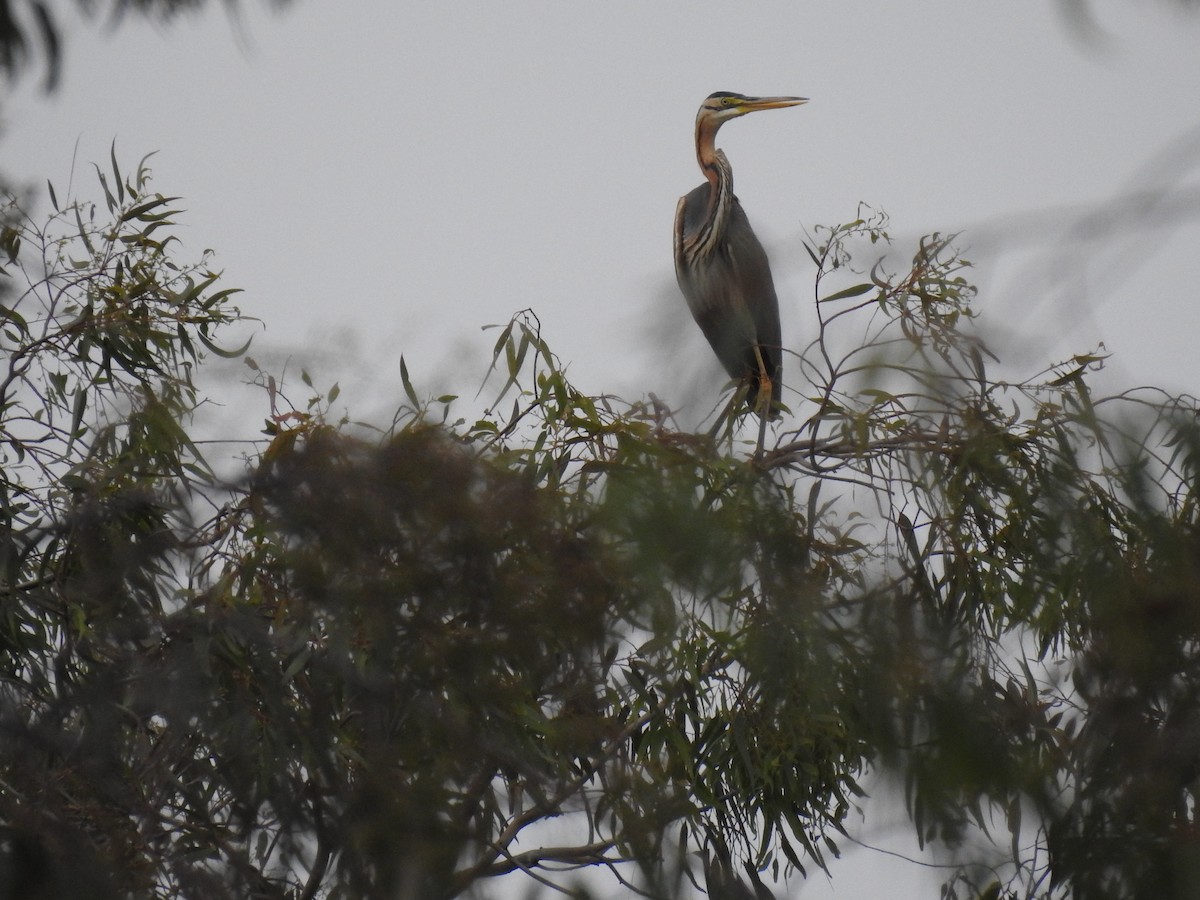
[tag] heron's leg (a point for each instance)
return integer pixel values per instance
(763, 404)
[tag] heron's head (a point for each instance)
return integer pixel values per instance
(723, 105)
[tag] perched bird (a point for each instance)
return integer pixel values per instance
(722, 268)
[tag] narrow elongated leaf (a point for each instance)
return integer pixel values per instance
(221, 352)
(112, 155)
(407, 383)
(856, 291)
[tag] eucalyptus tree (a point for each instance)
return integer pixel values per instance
(558, 634)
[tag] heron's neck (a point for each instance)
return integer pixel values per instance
(719, 173)
(712, 161)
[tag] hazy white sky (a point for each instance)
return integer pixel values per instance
(387, 177)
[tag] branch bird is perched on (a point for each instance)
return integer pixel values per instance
(722, 268)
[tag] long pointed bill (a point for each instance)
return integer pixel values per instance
(753, 104)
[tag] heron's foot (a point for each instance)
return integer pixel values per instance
(766, 386)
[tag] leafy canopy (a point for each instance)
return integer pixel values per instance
(558, 633)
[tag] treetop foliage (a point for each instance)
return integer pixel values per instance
(558, 633)
(31, 31)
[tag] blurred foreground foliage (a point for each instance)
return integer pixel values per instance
(33, 32)
(560, 633)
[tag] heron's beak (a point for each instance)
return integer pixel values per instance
(753, 104)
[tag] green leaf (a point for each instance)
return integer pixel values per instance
(109, 199)
(10, 243)
(83, 236)
(81, 400)
(856, 291)
(139, 211)
(112, 155)
(219, 351)
(408, 388)
(213, 299)
(10, 315)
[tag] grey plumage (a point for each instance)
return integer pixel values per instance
(721, 267)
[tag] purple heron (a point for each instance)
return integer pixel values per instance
(721, 267)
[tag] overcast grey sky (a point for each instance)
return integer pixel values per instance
(388, 177)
